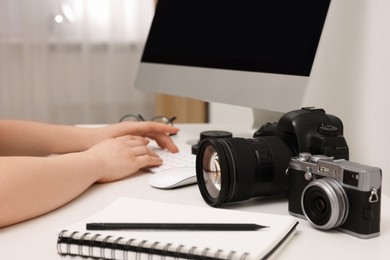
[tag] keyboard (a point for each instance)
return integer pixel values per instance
(178, 169)
(173, 160)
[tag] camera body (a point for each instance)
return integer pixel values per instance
(326, 189)
(309, 130)
(335, 194)
(236, 169)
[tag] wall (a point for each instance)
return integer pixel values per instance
(351, 78)
(77, 69)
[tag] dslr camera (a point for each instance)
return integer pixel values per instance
(235, 169)
(335, 194)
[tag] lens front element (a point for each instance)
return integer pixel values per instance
(325, 203)
(212, 172)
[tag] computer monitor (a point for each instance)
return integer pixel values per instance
(257, 54)
(349, 76)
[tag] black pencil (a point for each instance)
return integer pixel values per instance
(177, 226)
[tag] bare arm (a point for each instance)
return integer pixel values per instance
(40, 139)
(31, 186)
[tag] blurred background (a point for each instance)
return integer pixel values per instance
(72, 61)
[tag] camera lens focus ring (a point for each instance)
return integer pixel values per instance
(325, 203)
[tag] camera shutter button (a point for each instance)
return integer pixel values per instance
(304, 157)
(329, 130)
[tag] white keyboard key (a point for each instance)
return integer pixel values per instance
(173, 160)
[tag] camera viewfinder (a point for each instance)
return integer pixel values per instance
(351, 178)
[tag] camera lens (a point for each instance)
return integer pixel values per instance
(236, 169)
(325, 203)
(212, 172)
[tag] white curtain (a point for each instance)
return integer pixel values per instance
(72, 61)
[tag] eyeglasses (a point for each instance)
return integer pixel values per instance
(159, 119)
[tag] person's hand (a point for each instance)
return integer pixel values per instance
(120, 157)
(156, 131)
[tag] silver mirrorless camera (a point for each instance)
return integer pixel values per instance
(335, 194)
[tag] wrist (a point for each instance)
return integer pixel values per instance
(96, 166)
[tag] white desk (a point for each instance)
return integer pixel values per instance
(36, 239)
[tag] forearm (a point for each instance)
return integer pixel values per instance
(39, 139)
(30, 187)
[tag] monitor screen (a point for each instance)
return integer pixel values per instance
(250, 53)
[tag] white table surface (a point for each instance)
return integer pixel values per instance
(36, 238)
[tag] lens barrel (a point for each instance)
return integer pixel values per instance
(325, 203)
(236, 169)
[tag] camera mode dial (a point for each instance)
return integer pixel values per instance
(328, 130)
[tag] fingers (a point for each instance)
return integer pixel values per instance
(148, 128)
(148, 161)
(138, 149)
(145, 157)
(165, 141)
(158, 132)
(131, 138)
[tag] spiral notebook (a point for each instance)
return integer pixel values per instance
(75, 240)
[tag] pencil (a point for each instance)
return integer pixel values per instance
(177, 226)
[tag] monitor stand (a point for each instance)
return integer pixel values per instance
(262, 116)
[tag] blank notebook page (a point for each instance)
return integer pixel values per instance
(192, 244)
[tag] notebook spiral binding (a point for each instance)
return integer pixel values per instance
(82, 241)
